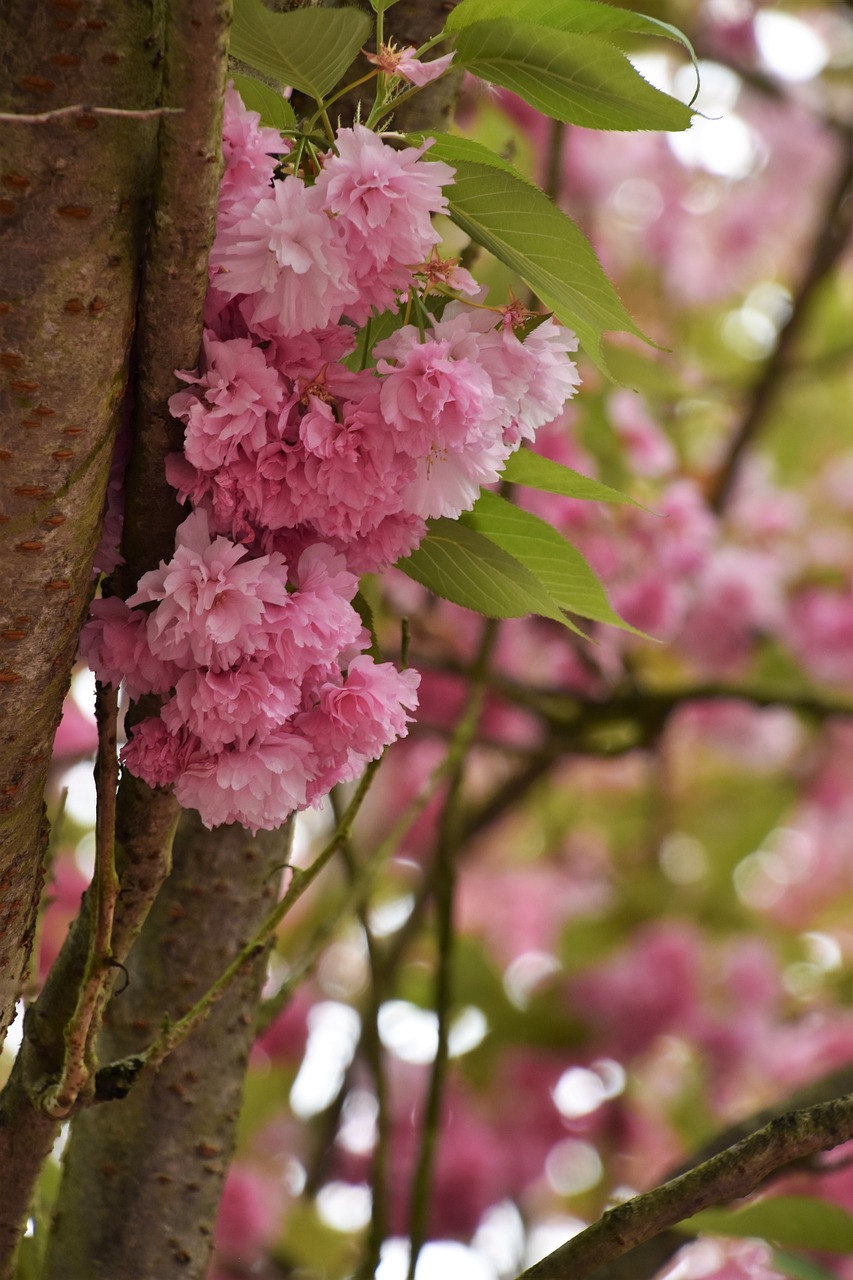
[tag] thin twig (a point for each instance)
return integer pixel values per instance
(80, 109)
(80, 1033)
(734, 1173)
(449, 835)
(645, 1260)
(834, 224)
(370, 1046)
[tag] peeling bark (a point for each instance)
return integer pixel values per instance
(72, 219)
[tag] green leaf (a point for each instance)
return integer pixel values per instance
(273, 109)
(560, 567)
(585, 16)
(534, 471)
(381, 6)
(455, 150)
(568, 76)
(515, 221)
(308, 49)
(460, 564)
(794, 1222)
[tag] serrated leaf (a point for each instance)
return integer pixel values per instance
(795, 1222)
(273, 109)
(308, 49)
(567, 15)
(585, 16)
(454, 149)
(569, 76)
(531, 469)
(381, 6)
(461, 565)
(560, 567)
(515, 221)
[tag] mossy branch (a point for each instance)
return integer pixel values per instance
(82, 1029)
(733, 1173)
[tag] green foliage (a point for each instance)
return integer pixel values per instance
(308, 49)
(552, 560)
(514, 220)
(536, 472)
(565, 15)
(795, 1222)
(273, 109)
(571, 77)
(459, 564)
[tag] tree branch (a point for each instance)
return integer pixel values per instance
(731, 1174)
(834, 224)
(82, 1028)
(644, 1261)
(444, 881)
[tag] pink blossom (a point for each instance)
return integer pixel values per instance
(222, 708)
(77, 734)
(250, 154)
(354, 721)
(554, 378)
(647, 990)
(289, 257)
(648, 451)
(212, 598)
(394, 537)
(62, 903)
(401, 63)
(257, 787)
(156, 754)
(446, 414)
(114, 643)
(687, 531)
(738, 598)
(249, 1215)
(383, 199)
(819, 629)
(350, 473)
(533, 378)
(374, 188)
(707, 1259)
(238, 390)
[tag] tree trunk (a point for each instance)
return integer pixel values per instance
(72, 221)
(185, 60)
(142, 1177)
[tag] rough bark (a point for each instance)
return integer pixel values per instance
(144, 830)
(174, 281)
(72, 217)
(728, 1176)
(143, 1176)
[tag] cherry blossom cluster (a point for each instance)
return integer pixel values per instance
(285, 442)
(260, 718)
(304, 470)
